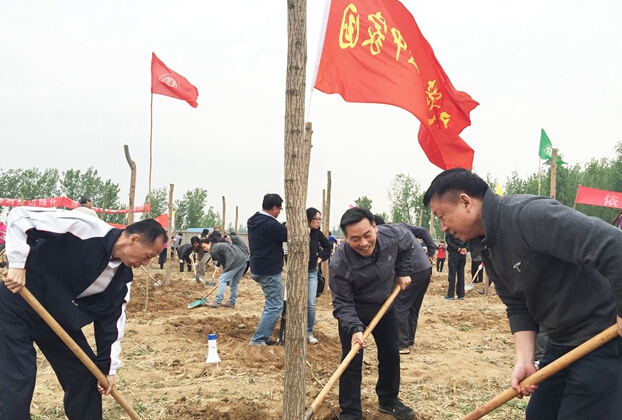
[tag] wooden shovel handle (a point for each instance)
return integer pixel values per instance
(547, 371)
(353, 351)
(49, 319)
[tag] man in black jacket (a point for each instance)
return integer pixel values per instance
(266, 236)
(457, 251)
(363, 273)
(552, 267)
(80, 269)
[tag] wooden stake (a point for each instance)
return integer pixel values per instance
(130, 211)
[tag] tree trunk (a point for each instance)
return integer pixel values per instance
(223, 228)
(326, 224)
(297, 155)
(167, 278)
(130, 211)
(235, 228)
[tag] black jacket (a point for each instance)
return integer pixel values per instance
(319, 247)
(63, 253)
(360, 285)
(552, 266)
(265, 238)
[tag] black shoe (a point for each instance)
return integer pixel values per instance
(270, 342)
(397, 410)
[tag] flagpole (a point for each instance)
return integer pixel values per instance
(150, 155)
(539, 174)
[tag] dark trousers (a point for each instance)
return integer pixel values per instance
(18, 367)
(408, 303)
(590, 388)
(440, 262)
(456, 268)
(186, 261)
(388, 384)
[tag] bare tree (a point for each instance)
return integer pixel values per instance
(297, 155)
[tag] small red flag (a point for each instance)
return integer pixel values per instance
(165, 81)
(374, 52)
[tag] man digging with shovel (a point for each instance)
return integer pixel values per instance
(554, 267)
(80, 269)
(363, 273)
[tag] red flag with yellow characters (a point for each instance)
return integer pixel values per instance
(373, 51)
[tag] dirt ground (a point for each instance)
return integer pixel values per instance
(463, 356)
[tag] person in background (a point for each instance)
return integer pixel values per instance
(86, 206)
(162, 256)
(476, 260)
(234, 261)
(408, 302)
(80, 270)
(440, 256)
(266, 236)
(285, 247)
(457, 260)
(319, 250)
(2, 235)
(555, 268)
(363, 273)
(203, 258)
(185, 251)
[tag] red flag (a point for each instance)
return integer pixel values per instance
(374, 52)
(165, 81)
(594, 197)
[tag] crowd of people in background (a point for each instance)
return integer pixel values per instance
(533, 275)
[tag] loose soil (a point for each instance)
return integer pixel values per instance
(463, 356)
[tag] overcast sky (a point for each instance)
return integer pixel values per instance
(76, 87)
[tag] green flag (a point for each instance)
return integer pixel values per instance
(546, 149)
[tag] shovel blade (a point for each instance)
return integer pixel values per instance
(197, 303)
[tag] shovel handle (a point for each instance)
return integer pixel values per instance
(547, 371)
(62, 334)
(353, 351)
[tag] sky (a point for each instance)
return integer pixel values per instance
(76, 87)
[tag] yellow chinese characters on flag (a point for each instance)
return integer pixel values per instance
(374, 52)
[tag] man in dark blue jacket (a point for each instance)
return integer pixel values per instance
(552, 267)
(363, 273)
(80, 270)
(265, 237)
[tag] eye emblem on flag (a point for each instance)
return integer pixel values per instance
(169, 80)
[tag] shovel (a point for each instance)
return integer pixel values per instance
(62, 334)
(547, 371)
(346, 360)
(202, 300)
(470, 285)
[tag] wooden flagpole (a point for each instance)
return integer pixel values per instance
(150, 154)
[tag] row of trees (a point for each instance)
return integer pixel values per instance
(31, 184)
(405, 193)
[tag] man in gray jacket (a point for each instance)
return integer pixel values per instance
(363, 273)
(233, 260)
(553, 267)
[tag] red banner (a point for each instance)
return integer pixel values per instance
(64, 202)
(596, 197)
(374, 52)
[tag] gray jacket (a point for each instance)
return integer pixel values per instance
(228, 255)
(552, 266)
(360, 285)
(420, 261)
